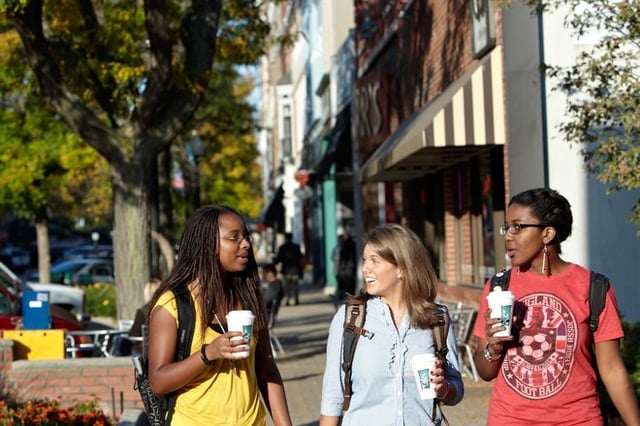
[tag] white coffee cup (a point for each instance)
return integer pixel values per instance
(423, 365)
(241, 321)
(501, 305)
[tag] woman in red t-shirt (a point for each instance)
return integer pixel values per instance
(544, 370)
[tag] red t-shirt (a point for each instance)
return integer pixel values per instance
(547, 377)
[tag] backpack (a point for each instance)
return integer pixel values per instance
(354, 317)
(598, 286)
(159, 409)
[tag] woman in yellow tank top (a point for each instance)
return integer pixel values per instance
(215, 387)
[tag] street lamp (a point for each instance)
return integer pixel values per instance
(95, 237)
(197, 149)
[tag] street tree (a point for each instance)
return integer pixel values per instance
(46, 171)
(226, 171)
(127, 77)
(230, 172)
(603, 89)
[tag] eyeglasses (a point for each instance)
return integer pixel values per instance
(238, 239)
(514, 228)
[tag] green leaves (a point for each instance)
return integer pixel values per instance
(603, 91)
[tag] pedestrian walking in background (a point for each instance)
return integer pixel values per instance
(338, 295)
(216, 266)
(400, 288)
(347, 267)
(544, 372)
(141, 318)
(335, 256)
(272, 287)
(290, 259)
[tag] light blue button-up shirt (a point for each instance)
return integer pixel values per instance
(384, 389)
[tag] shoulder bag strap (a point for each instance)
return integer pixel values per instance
(598, 286)
(186, 325)
(354, 317)
(439, 333)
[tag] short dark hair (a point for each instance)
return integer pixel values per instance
(550, 207)
(270, 267)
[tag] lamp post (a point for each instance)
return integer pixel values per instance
(197, 149)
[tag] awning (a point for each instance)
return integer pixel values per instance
(467, 117)
(273, 212)
(340, 134)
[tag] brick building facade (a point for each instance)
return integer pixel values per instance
(430, 131)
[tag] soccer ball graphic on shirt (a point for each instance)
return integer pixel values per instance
(537, 346)
(539, 366)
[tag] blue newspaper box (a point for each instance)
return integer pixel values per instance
(35, 310)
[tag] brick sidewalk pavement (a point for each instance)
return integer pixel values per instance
(303, 329)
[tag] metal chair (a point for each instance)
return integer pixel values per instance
(463, 319)
(125, 324)
(276, 346)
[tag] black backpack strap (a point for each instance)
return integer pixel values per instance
(440, 332)
(598, 287)
(354, 317)
(501, 279)
(186, 325)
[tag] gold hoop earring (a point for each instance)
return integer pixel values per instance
(545, 259)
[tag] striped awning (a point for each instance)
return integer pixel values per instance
(468, 116)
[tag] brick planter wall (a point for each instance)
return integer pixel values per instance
(110, 380)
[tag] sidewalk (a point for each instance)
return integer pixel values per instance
(303, 329)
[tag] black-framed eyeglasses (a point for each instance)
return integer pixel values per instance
(514, 228)
(238, 239)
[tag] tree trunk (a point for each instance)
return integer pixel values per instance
(131, 236)
(44, 260)
(165, 183)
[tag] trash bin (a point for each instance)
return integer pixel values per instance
(35, 310)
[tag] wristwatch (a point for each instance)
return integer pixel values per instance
(489, 357)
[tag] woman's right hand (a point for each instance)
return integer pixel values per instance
(495, 344)
(225, 347)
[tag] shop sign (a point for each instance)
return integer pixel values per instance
(483, 31)
(371, 108)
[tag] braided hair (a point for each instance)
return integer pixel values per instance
(220, 291)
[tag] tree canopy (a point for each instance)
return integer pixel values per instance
(605, 93)
(127, 78)
(603, 89)
(230, 173)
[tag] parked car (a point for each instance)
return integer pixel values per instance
(89, 251)
(79, 272)
(16, 257)
(11, 289)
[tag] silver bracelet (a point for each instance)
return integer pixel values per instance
(489, 357)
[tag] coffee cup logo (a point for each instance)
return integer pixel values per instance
(425, 383)
(505, 317)
(246, 331)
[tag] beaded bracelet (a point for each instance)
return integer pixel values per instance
(203, 356)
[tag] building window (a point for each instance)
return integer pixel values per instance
(286, 131)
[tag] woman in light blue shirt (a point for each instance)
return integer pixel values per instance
(400, 287)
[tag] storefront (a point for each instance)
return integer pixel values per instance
(433, 159)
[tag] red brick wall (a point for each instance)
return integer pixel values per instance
(71, 380)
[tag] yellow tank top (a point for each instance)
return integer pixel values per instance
(225, 393)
